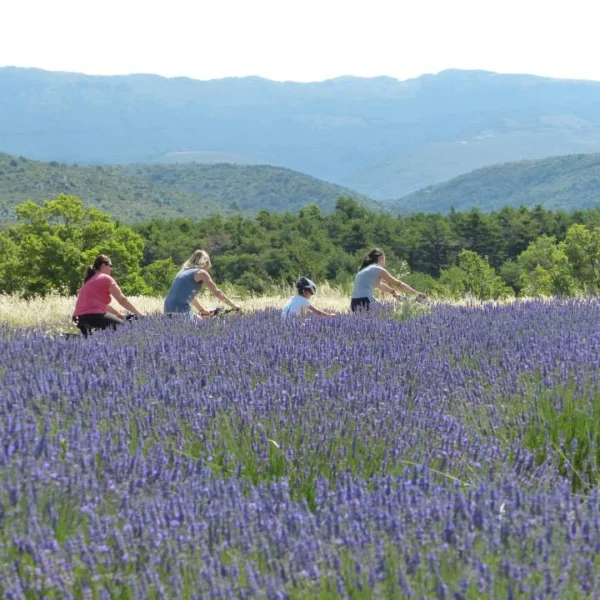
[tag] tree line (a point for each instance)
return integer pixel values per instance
(513, 251)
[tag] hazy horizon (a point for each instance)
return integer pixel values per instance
(310, 41)
(346, 76)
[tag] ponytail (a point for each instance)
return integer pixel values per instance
(371, 259)
(90, 271)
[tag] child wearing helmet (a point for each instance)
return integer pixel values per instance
(300, 303)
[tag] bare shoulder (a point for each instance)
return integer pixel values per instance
(202, 275)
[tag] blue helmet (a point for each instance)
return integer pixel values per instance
(304, 283)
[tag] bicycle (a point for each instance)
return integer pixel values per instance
(221, 312)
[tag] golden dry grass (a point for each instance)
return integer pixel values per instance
(56, 310)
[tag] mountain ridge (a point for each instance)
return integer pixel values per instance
(381, 136)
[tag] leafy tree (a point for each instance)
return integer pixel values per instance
(517, 231)
(481, 235)
(434, 244)
(349, 209)
(473, 275)
(159, 275)
(510, 272)
(545, 269)
(424, 283)
(582, 247)
(9, 265)
(55, 241)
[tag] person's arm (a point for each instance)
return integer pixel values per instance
(203, 311)
(384, 287)
(319, 312)
(114, 311)
(206, 279)
(392, 281)
(117, 294)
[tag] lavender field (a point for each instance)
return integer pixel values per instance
(453, 454)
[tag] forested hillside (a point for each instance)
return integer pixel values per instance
(380, 136)
(124, 196)
(137, 192)
(561, 182)
(248, 188)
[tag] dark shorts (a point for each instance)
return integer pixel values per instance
(359, 304)
(87, 323)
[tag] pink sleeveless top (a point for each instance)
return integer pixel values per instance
(94, 296)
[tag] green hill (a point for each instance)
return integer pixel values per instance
(138, 192)
(561, 182)
(247, 188)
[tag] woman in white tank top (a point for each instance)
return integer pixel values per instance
(372, 275)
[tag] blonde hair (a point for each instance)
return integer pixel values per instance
(198, 260)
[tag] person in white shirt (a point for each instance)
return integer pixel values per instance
(300, 303)
(372, 275)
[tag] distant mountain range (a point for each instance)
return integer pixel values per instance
(383, 137)
(561, 182)
(139, 192)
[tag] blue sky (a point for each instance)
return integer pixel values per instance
(308, 40)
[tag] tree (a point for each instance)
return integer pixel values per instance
(159, 275)
(510, 272)
(481, 235)
(349, 209)
(9, 265)
(582, 248)
(473, 275)
(434, 247)
(545, 269)
(55, 241)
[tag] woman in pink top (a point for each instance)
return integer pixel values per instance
(93, 309)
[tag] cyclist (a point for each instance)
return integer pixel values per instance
(372, 275)
(92, 307)
(188, 282)
(300, 303)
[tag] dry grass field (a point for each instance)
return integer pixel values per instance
(55, 310)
